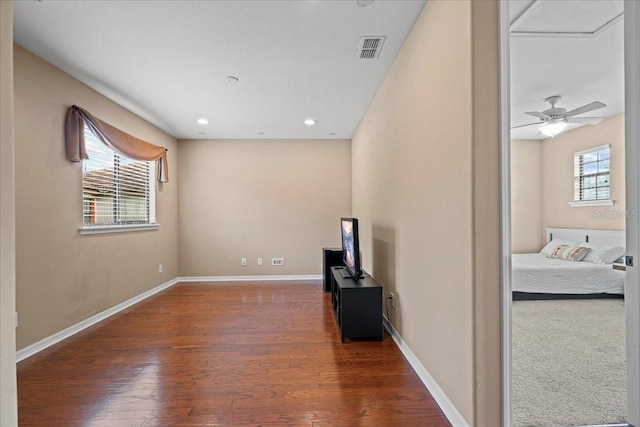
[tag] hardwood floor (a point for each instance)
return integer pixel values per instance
(237, 354)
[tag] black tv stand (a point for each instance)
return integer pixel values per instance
(344, 272)
(357, 305)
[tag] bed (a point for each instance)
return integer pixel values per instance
(537, 276)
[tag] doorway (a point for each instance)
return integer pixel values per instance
(632, 160)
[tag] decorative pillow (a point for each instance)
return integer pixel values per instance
(601, 254)
(558, 252)
(576, 253)
(555, 242)
(569, 253)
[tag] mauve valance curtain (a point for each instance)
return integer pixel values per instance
(119, 141)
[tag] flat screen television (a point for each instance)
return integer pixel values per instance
(351, 246)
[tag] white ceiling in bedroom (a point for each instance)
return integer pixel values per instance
(572, 48)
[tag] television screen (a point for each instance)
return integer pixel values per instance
(350, 246)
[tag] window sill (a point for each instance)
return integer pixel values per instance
(587, 203)
(106, 229)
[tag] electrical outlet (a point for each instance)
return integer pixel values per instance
(243, 261)
(277, 261)
(159, 268)
(259, 261)
(392, 296)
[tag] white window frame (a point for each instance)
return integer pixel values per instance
(86, 229)
(578, 175)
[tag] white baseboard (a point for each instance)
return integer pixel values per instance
(247, 278)
(72, 330)
(450, 411)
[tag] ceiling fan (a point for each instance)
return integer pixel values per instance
(555, 119)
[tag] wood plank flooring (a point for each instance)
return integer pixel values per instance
(263, 353)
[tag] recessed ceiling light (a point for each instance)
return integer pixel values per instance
(203, 121)
(232, 79)
(309, 122)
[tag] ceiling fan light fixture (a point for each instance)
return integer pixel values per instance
(552, 128)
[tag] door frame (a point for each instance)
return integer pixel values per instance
(632, 189)
(632, 201)
(504, 105)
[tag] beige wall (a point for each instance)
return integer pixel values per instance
(542, 184)
(527, 234)
(557, 177)
(62, 277)
(261, 198)
(430, 132)
(8, 393)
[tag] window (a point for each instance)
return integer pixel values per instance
(591, 175)
(116, 191)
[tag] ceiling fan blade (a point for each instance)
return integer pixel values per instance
(538, 114)
(586, 120)
(528, 124)
(586, 108)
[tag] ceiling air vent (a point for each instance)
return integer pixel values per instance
(370, 47)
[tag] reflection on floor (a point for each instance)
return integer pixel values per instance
(225, 354)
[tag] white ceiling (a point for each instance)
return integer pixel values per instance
(572, 48)
(168, 61)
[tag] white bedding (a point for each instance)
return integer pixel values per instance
(538, 274)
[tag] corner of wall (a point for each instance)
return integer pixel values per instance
(8, 388)
(526, 196)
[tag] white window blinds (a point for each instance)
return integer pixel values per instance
(116, 190)
(592, 174)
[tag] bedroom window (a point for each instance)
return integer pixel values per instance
(117, 192)
(592, 176)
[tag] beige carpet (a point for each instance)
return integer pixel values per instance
(569, 362)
